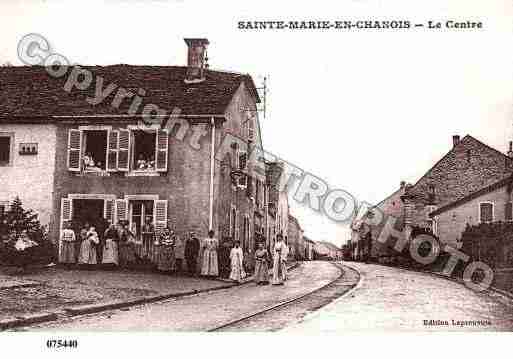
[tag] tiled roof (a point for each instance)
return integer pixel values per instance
(453, 179)
(508, 181)
(30, 92)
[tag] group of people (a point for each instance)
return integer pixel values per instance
(90, 163)
(145, 164)
(118, 246)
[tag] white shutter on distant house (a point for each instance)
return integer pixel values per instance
(74, 150)
(112, 151)
(66, 211)
(160, 214)
(121, 210)
(161, 150)
(108, 210)
(123, 150)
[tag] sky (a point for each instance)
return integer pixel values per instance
(362, 110)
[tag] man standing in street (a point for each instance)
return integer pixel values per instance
(191, 253)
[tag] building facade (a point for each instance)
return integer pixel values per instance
(105, 162)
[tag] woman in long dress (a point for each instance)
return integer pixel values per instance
(110, 250)
(127, 256)
(261, 265)
(67, 246)
(87, 255)
(166, 257)
(279, 260)
(236, 262)
(209, 264)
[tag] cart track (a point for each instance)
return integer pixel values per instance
(280, 315)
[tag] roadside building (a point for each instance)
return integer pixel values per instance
(106, 163)
(309, 248)
(489, 204)
(469, 166)
(295, 238)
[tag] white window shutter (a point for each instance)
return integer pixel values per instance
(66, 211)
(108, 210)
(112, 151)
(121, 210)
(123, 150)
(74, 150)
(161, 150)
(160, 215)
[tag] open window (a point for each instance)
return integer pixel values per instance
(95, 150)
(144, 150)
(150, 150)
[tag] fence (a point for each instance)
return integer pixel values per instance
(492, 244)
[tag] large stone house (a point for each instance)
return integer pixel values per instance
(70, 160)
(469, 167)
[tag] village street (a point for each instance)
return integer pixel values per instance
(395, 299)
(384, 298)
(206, 310)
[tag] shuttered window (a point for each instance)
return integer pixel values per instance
(121, 210)
(66, 211)
(161, 150)
(160, 214)
(108, 210)
(74, 150)
(123, 150)
(486, 212)
(112, 151)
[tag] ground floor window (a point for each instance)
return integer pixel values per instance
(5, 150)
(140, 214)
(144, 150)
(95, 150)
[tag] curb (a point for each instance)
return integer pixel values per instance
(17, 322)
(11, 323)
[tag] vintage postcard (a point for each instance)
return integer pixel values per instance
(239, 166)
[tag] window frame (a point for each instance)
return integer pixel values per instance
(9, 135)
(493, 211)
(505, 212)
(132, 171)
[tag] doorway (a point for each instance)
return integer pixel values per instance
(88, 211)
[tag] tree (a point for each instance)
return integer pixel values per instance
(19, 224)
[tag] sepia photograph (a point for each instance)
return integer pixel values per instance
(174, 167)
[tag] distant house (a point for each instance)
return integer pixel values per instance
(309, 248)
(469, 168)
(295, 239)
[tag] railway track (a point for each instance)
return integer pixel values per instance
(278, 316)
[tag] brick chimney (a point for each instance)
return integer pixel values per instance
(196, 60)
(510, 152)
(455, 140)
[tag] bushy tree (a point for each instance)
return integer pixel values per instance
(19, 224)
